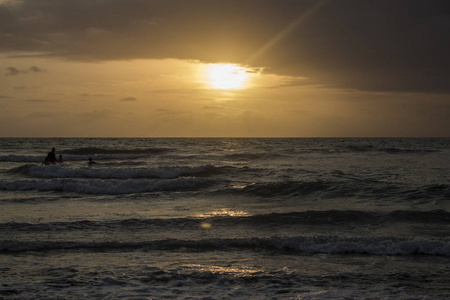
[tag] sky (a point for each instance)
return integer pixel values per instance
(224, 68)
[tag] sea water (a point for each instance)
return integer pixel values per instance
(225, 218)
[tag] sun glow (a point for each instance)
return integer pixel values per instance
(226, 76)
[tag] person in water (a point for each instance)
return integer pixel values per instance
(51, 157)
(60, 159)
(91, 162)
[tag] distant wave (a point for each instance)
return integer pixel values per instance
(360, 148)
(338, 189)
(114, 173)
(94, 151)
(80, 154)
(284, 245)
(389, 150)
(406, 151)
(40, 159)
(291, 188)
(22, 158)
(106, 187)
(331, 217)
(135, 180)
(252, 156)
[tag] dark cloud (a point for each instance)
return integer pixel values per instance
(383, 45)
(128, 99)
(11, 71)
(35, 69)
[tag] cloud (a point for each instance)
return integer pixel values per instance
(128, 99)
(41, 101)
(385, 45)
(213, 107)
(35, 69)
(96, 115)
(46, 115)
(165, 111)
(91, 95)
(11, 71)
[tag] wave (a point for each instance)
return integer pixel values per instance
(79, 154)
(252, 156)
(105, 187)
(114, 173)
(67, 158)
(22, 158)
(360, 148)
(389, 150)
(290, 188)
(285, 245)
(371, 189)
(95, 150)
(344, 187)
(393, 150)
(331, 217)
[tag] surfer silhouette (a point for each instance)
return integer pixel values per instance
(51, 157)
(60, 159)
(91, 162)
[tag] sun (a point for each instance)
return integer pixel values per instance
(226, 76)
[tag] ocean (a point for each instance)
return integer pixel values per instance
(225, 218)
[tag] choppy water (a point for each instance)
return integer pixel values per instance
(225, 218)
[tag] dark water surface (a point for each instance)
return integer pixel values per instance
(225, 218)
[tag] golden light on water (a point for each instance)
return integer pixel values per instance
(206, 225)
(224, 212)
(226, 76)
(241, 271)
(219, 213)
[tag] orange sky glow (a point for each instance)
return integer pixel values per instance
(291, 69)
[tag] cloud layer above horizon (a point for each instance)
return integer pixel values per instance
(385, 45)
